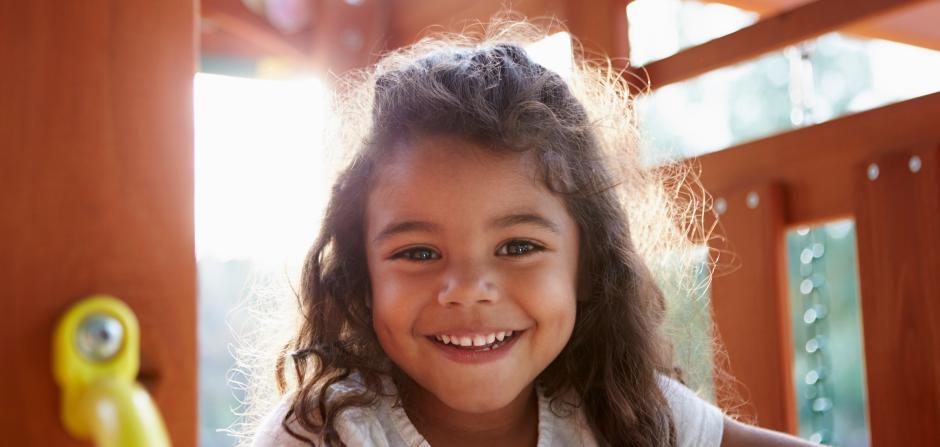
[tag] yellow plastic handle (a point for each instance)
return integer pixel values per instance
(95, 359)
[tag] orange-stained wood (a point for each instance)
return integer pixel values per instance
(412, 19)
(817, 163)
(96, 185)
(898, 231)
(749, 304)
(914, 26)
(601, 28)
(786, 28)
(348, 35)
(230, 29)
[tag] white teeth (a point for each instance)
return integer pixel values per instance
(474, 340)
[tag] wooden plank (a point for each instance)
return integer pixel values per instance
(413, 19)
(913, 26)
(897, 221)
(787, 28)
(817, 163)
(601, 28)
(751, 311)
(231, 29)
(96, 126)
(348, 35)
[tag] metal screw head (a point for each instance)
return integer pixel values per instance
(914, 164)
(752, 200)
(353, 39)
(873, 171)
(721, 205)
(99, 337)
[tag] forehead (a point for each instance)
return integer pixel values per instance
(440, 175)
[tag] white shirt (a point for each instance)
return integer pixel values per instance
(698, 423)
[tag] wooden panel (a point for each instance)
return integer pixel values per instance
(817, 163)
(348, 35)
(787, 28)
(231, 29)
(915, 26)
(899, 259)
(96, 166)
(751, 312)
(411, 19)
(601, 27)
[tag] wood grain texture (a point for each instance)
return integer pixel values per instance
(786, 28)
(751, 314)
(898, 231)
(817, 163)
(601, 28)
(96, 165)
(413, 19)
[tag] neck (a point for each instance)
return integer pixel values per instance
(515, 425)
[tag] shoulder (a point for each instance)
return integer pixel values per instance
(356, 425)
(271, 431)
(698, 422)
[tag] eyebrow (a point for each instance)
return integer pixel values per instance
(500, 222)
(405, 227)
(525, 218)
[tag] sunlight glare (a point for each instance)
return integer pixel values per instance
(260, 169)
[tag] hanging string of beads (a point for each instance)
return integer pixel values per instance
(816, 387)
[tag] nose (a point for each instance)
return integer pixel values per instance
(467, 283)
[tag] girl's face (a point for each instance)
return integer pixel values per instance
(465, 247)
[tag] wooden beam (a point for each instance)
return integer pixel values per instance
(897, 221)
(96, 126)
(751, 310)
(348, 35)
(816, 162)
(787, 28)
(601, 28)
(245, 32)
(413, 19)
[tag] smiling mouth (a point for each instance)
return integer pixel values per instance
(476, 343)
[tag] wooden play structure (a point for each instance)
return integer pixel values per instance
(96, 160)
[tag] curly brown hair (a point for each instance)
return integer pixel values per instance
(580, 128)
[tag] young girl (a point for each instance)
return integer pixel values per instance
(478, 279)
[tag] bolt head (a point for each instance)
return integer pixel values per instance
(752, 200)
(721, 205)
(99, 337)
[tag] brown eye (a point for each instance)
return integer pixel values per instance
(518, 248)
(418, 254)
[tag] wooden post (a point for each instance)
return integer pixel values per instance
(898, 230)
(96, 186)
(601, 28)
(749, 302)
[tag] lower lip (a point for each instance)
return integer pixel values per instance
(466, 356)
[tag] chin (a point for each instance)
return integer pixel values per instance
(474, 400)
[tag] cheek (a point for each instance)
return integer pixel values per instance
(548, 295)
(396, 302)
